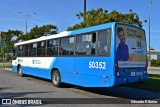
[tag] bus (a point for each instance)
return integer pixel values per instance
(104, 55)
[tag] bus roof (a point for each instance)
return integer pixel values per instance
(74, 32)
(62, 34)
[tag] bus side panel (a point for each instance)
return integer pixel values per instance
(14, 68)
(65, 66)
(35, 66)
(25, 69)
(96, 70)
(96, 81)
(14, 65)
(39, 72)
(72, 78)
(40, 66)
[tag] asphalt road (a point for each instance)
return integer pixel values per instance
(14, 86)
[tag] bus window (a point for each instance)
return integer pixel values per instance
(25, 50)
(32, 49)
(86, 44)
(103, 37)
(52, 47)
(14, 52)
(41, 48)
(67, 46)
(19, 51)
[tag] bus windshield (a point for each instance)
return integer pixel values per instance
(130, 47)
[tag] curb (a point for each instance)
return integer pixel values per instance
(8, 68)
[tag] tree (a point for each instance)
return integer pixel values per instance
(44, 30)
(100, 16)
(13, 36)
(10, 38)
(10, 35)
(37, 32)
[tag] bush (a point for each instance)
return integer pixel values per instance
(158, 63)
(155, 63)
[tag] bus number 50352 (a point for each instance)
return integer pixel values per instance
(97, 65)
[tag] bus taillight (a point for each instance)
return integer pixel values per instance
(117, 69)
(116, 66)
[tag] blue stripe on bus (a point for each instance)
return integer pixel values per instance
(54, 59)
(69, 33)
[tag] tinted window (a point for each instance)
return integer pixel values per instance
(86, 44)
(66, 46)
(19, 50)
(52, 47)
(32, 49)
(103, 42)
(41, 48)
(15, 49)
(25, 50)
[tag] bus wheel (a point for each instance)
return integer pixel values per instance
(20, 71)
(56, 79)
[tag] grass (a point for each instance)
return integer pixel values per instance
(155, 65)
(152, 83)
(6, 66)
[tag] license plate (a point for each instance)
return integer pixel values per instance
(139, 73)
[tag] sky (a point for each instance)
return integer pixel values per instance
(62, 13)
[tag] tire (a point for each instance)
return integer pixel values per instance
(56, 78)
(20, 71)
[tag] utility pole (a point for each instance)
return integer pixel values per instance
(84, 9)
(26, 18)
(2, 42)
(3, 60)
(27, 15)
(149, 59)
